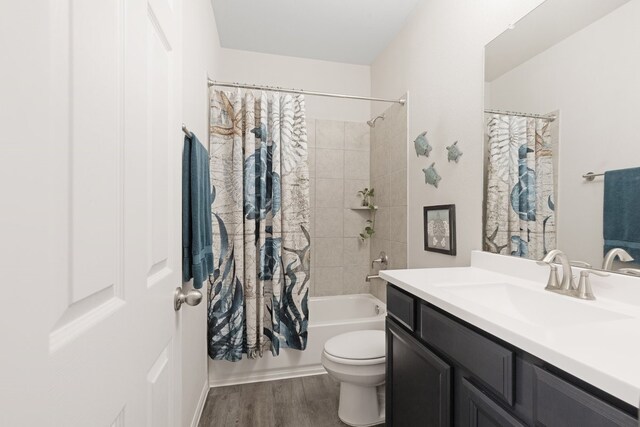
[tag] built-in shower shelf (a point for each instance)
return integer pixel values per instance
(365, 208)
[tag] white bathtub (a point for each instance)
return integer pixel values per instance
(328, 316)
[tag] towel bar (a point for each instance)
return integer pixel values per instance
(186, 131)
(590, 176)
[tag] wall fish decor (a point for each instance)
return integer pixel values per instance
(454, 152)
(421, 143)
(431, 175)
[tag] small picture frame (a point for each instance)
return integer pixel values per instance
(440, 229)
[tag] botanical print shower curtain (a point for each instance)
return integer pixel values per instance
(258, 293)
(520, 218)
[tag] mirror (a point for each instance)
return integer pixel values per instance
(562, 103)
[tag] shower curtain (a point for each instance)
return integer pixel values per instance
(257, 296)
(520, 205)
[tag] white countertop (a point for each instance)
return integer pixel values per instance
(604, 352)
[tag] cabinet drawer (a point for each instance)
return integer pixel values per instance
(558, 403)
(486, 360)
(401, 306)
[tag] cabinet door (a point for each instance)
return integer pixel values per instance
(418, 383)
(479, 410)
(557, 403)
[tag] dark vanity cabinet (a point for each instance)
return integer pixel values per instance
(420, 380)
(442, 371)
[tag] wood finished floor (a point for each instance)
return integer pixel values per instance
(296, 402)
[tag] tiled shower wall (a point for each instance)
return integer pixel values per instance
(338, 169)
(389, 179)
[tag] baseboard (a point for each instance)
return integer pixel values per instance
(200, 407)
(269, 376)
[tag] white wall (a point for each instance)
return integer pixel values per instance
(592, 78)
(200, 56)
(300, 73)
(438, 58)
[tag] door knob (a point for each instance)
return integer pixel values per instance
(193, 297)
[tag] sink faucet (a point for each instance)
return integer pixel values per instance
(567, 284)
(584, 287)
(610, 257)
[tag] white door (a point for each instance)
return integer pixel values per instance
(90, 215)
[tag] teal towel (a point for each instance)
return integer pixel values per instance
(197, 253)
(621, 206)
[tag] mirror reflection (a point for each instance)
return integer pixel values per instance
(562, 157)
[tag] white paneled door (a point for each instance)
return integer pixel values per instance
(90, 176)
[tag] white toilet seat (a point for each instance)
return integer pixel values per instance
(354, 362)
(355, 346)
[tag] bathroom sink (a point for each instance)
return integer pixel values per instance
(534, 307)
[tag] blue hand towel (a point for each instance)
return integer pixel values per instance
(197, 253)
(621, 208)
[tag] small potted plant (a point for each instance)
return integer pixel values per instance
(367, 201)
(367, 195)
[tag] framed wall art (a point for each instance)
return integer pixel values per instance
(440, 229)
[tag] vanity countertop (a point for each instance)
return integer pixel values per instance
(596, 341)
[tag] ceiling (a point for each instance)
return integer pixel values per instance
(543, 27)
(350, 31)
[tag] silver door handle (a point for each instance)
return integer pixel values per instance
(193, 297)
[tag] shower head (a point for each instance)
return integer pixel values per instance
(372, 123)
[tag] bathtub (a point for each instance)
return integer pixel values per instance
(328, 317)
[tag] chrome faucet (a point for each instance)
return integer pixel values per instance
(610, 257)
(567, 284)
(383, 260)
(584, 286)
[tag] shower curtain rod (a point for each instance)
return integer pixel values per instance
(515, 113)
(303, 92)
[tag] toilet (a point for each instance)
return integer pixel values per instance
(357, 360)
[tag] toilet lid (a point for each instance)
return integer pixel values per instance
(359, 345)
